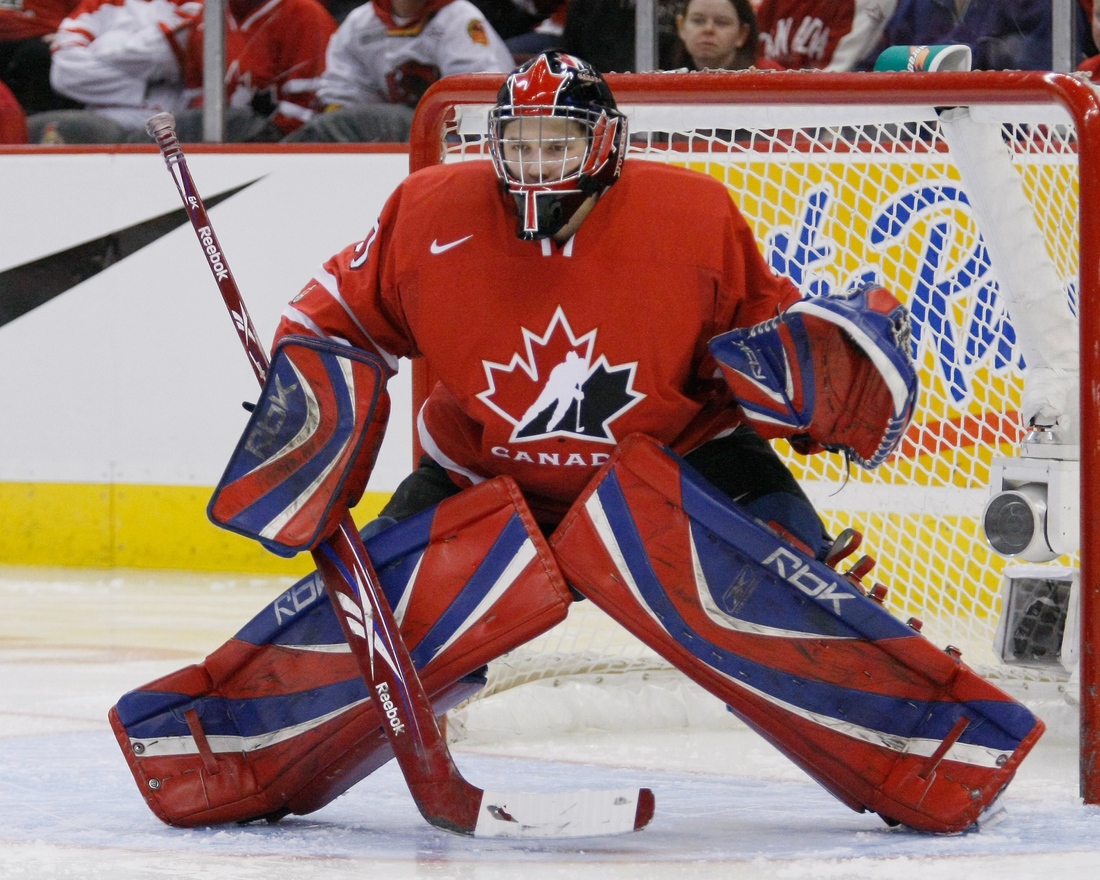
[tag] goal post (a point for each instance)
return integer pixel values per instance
(852, 176)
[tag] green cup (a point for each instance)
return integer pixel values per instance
(925, 58)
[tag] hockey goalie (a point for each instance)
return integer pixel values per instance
(613, 356)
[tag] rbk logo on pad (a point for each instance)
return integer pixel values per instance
(560, 386)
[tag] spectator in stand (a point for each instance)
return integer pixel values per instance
(130, 59)
(602, 33)
(117, 58)
(13, 123)
(821, 34)
(716, 35)
(27, 28)
(1001, 34)
(275, 54)
(383, 58)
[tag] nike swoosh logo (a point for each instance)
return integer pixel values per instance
(25, 288)
(438, 248)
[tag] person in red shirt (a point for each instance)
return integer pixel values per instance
(810, 34)
(275, 54)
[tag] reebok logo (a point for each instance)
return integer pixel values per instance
(298, 598)
(265, 432)
(388, 709)
(438, 248)
(212, 253)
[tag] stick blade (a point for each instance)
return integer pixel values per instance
(564, 814)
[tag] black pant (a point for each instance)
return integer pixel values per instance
(741, 465)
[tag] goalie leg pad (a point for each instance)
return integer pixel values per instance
(279, 720)
(862, 702)
(833, 372)
(309, 446)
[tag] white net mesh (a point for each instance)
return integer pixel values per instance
(845, 193)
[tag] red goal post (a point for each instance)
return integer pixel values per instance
(847, 174)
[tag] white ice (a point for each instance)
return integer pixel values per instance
(729, 806)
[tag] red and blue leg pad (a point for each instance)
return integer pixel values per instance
(861, 701)
(278, 719)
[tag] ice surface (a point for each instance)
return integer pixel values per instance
(728, 805)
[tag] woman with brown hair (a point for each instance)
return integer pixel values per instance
(717, 35)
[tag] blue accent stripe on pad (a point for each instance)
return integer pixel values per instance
(891, 716)
(151, 714)
(750, 542)
(508, 544)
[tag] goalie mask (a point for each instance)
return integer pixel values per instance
(556, 138)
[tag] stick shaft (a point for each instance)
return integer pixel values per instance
(162, 128)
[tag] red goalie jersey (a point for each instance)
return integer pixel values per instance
(549, 356)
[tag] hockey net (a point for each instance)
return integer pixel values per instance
(847, 177)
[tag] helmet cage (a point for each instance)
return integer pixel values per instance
(550, 168)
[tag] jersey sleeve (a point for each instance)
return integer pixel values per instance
(354, 296)
(868, 23)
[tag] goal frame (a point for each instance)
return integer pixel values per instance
(1072, 92)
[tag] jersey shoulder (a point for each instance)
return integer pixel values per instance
(676, 190)
(660, 173)
(448, 182)
(442, 198)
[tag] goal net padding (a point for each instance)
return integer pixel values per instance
(958, 192)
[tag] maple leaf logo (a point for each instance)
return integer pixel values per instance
(556, 389)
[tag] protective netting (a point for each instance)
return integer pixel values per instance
(843, 194)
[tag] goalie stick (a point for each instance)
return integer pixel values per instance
(443, 796)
